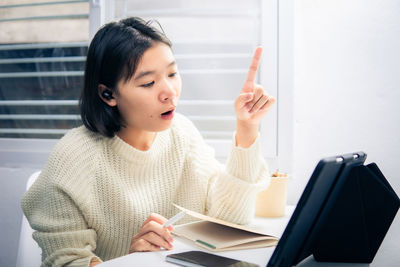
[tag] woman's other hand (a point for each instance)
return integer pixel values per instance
(152, 236)
(251, 105)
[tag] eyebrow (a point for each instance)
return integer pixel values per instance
(145, 73)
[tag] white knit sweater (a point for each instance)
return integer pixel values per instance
(95, 192)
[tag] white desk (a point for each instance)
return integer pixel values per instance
(387, 256)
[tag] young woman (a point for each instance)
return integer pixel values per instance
(109, 185)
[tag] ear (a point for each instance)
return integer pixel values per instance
(103, 92)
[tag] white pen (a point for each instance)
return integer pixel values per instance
(174, 219)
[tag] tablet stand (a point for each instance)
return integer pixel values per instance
(358, 219)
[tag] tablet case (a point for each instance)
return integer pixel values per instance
(359, 217)
(295, 243)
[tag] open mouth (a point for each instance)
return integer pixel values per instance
(167, 113)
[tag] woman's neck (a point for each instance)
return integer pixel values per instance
(139, 139)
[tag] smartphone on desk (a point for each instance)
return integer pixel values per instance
(200, 258)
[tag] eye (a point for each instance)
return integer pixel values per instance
(148, 84)
(173, 74)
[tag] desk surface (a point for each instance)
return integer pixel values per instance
(388, 254)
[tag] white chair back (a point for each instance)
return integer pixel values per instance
(29, 252)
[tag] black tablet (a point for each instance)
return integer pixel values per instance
(295, 243)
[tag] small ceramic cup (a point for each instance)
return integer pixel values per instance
(272, 201)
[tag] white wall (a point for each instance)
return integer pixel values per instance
(347, 84)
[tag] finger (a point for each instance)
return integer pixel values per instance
(157, 218)
(142, 245)
(258, 92)
(243, 99)
(268, 105)
(255, 62)
(157, 228)
(259, 104)
(156, 240)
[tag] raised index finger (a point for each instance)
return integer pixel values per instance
(251, 75)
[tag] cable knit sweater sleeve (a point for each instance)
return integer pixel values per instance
(53, 208)
(232, 188)
(233, 191)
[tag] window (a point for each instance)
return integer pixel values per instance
(42, 54)
(213, 41)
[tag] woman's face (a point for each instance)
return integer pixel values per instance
(148, 100)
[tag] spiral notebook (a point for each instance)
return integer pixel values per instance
(219, 235)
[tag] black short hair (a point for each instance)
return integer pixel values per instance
(113, 55)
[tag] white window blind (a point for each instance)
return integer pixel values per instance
(213, 42)
(41, 70)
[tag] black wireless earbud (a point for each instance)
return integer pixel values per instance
(107, 94)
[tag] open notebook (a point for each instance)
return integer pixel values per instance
(218, 235)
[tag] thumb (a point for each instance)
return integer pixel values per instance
(243, 99)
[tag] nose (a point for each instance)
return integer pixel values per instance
(168, 92)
